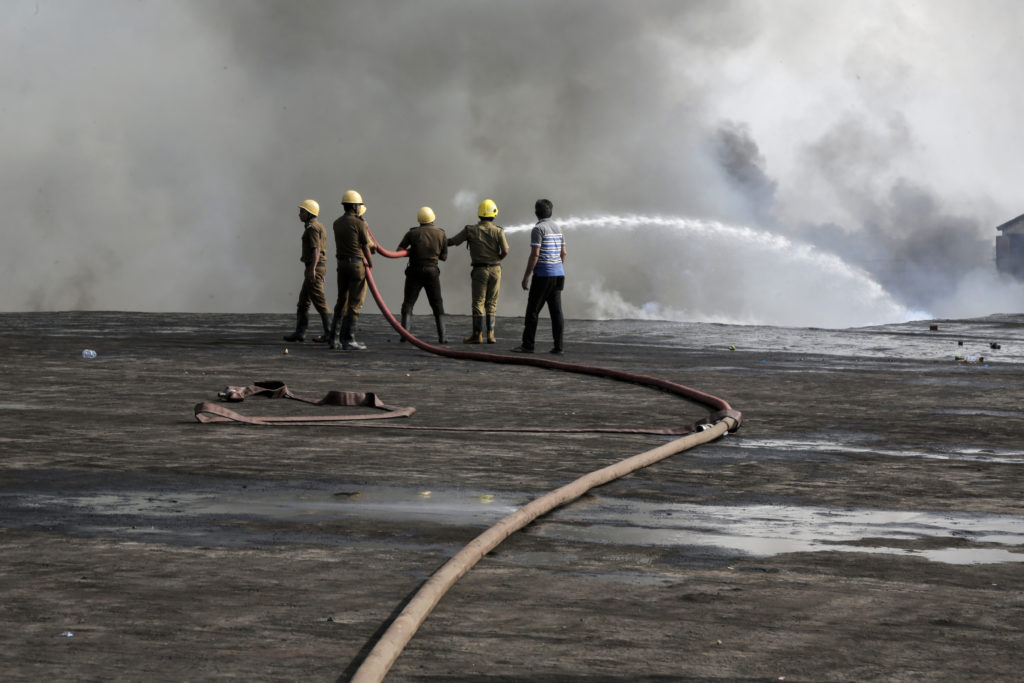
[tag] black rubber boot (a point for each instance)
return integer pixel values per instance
(348, 339)
(334, 336)
(491, 320)
(406, 318)
(301, 323)
(442, 336)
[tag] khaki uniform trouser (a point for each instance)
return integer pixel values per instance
(486, 284)
(351, 288)
(313, 292)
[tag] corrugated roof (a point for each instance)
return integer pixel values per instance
(1012, 222)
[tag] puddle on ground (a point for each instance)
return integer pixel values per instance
(989, 455)
(756, 530)
(389, 504)
(763, 530)
(986, 412)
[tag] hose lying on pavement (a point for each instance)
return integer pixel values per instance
(207, 411)
(724, 419)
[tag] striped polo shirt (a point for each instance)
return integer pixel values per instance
(548, 237)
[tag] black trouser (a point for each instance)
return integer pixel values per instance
(544, 290)
(426, 277)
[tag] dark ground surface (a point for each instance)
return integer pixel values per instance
(865, 524)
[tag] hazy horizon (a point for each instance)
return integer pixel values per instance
(788, 162)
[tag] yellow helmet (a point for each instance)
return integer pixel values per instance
(425, 215)
(487, 209)
(311, 206)
(351, 197)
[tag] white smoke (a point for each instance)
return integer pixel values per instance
(466, 201)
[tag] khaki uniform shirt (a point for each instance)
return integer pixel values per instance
(486, 242)
(314, 237)
(350, 234)
(426, 244)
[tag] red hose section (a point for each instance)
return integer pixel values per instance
(701, 397)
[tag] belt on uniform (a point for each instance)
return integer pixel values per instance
(355, 259)
(485, 265)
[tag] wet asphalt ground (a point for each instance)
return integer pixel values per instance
(866, 522)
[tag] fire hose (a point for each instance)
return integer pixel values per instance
(723, 420)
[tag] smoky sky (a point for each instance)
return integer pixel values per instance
(155, 152)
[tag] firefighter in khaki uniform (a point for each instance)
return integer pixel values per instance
(487, 247)
(314, 255)
(352, 240)
(427, 245)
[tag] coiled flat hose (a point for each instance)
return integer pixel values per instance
(390, 645)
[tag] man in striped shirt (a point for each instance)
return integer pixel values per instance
(547, 252)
